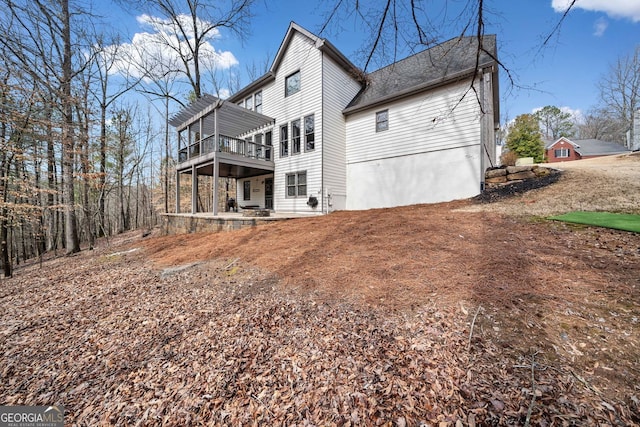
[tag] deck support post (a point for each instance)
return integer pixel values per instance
(194, 189)
(216, 171)
(177, 191)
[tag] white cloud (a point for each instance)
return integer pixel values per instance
(600, 26)
(614, 8)
(151, 50)
(576, 114)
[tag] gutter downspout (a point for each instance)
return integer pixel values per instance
(325, 206)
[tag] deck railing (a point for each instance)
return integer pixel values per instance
(226, 144)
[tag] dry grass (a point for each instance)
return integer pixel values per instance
(601, 184)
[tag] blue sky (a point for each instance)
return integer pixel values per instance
(564, 73)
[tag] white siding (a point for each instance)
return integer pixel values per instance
(430, 153)
(301, 54)
(339, 88)
(256, 196)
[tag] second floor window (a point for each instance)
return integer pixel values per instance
(258, 102)
(268, 142)
(248, 103)
(284, 141)
(309, 133)
(292, 84)
(295, 136)
(382, 120)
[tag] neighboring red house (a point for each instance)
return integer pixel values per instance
(564, 149)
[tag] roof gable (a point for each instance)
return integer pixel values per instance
(452, 60)
(590, 147)
(561, 140)
(322, 44)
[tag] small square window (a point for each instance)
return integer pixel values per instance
(296, 184)
(292, 84)
(382, 120)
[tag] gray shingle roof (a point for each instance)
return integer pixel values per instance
(446, 62)
(596, 147)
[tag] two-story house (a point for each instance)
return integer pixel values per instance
(315, 134)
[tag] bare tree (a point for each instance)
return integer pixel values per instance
(160, 73)
(599, 123)
(186, 27)
(620, 92)
(41, 37)
(391, 26)
(108, 56)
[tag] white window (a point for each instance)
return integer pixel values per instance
(284, 140)
(309, 133)
(248, 103)
(296, 184)
(295, 136)
(382, 120)
(561, 153)
(292, 84)
(258, 102)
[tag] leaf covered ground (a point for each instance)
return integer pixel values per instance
(456, 314)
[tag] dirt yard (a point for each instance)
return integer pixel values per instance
(456, 314)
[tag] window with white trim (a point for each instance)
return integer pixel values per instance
(296, 184)
(561, 153)
(309, 133)
(382, 120)
(292, 84)
(248, 103)
(268, 142)
(295, 136)
(284, 140)
(258, 102)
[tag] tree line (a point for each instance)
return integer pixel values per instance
(79, 159)
(612, 120)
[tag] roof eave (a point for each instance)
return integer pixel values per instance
(453, 78)
(252, 87)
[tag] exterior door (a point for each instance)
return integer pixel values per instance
(268, 193)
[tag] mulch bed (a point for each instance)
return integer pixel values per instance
(495, 192)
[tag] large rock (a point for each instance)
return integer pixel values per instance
(527, 174)
(496, 179)
(541, 171)
(518, 169)
(492, 173)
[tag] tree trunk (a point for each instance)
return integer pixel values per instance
(71, 226)
(4, 244)
(5, 258)
(103, 168)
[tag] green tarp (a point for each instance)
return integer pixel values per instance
(626, 222)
